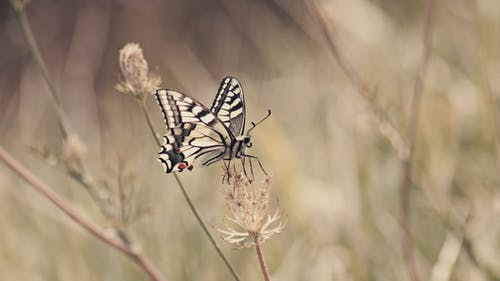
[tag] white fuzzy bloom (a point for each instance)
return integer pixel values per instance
(135, 77)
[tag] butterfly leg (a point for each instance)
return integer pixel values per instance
(258, 161)
(227, 166)
(243, 165)
(251, 168)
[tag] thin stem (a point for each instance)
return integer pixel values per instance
(150, 122)
(407, 243)
(190, 203)
(122, 197)
(35, 50)
(260, 258)
(396, 139)
(141, 260)
(83, 177)
(348, 70)
(205, 229)
(80, 173)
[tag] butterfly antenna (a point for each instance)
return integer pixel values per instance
(261, 120)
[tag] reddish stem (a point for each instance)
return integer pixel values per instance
(95, 230)
(260, 257)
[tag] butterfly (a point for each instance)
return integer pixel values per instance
(196, 132)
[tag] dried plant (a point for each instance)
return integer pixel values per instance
(385, 157)
(121, 242)
(249, 205)
(72, 156)
(139, 83)
(135, 78)
(251, 222)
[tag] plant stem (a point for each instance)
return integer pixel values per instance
(188, 200)
(407, 242)
(128, 249)
(260, 258)
(81, 174)
(33, 46)
(150, 122)
(355, 79)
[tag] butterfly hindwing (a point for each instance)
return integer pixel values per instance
(193, 132)
(229, 105)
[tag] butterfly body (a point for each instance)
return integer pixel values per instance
(196, 132)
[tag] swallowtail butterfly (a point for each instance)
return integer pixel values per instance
(194, 131)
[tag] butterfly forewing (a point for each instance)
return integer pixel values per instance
(229, 105)
(193, 132)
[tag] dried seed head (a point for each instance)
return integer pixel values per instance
(135, 77)
(249, 205)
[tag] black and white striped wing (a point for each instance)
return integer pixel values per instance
(229, 105)
(193, 132)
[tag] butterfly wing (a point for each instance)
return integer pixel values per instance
(229, 105)
(193, 132)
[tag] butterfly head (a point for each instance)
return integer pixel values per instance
(247, 141)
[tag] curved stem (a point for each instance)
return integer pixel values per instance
(128, 249)
(188, 200)
(260, 257)
(81, 174)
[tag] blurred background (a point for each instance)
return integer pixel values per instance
(336, 155)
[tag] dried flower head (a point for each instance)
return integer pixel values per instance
(135, 77)
(250, 208)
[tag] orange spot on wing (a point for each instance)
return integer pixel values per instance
(182, 166)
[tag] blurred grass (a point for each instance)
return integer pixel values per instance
(334, 171)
